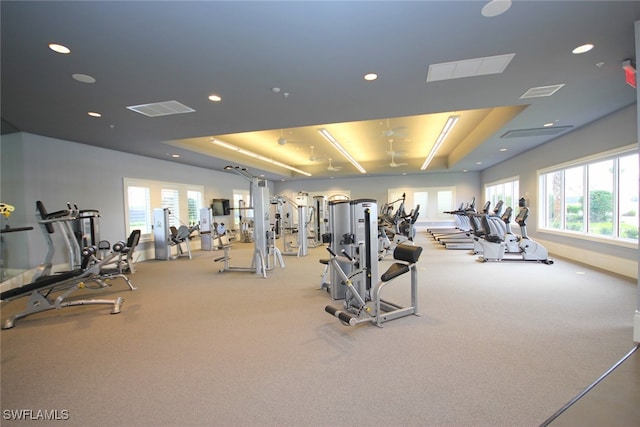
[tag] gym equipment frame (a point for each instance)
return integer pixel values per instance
(263, 238)
(372, 308)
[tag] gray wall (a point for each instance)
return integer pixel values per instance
(613, 131)
(55, 172)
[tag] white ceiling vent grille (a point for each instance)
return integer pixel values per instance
(548, 131)
(157, 109)
(537, 92)
(469, 67)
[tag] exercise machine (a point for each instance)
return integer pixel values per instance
(464, 240)
(461, 217)
(264, 239)
(494, 246)
(5, 213)
(366, 304)
(294, 237)
(166, 236)
(43, 286)
(319, 221)
(396, 227)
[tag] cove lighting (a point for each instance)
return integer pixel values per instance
(325, 133)
(256, 156)
(448, 126)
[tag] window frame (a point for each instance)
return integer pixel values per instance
(585, 162)
(515, 192)
(155, 200)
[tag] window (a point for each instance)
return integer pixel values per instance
(240, 204)
(194, 204)
(628, 197)
(171, 201)
(574, 199)
(433, 201)
(142, 196)
(597, 196)
(139, 209)
(507, 190)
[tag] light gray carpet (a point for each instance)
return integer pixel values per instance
(498, 344)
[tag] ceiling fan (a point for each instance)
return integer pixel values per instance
(283, 140)
(389, 132)
(393, 155)
(312, 157)
(333, 168)
(393, 163)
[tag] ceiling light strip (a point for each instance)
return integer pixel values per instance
(448, 126)
(256, 156)
(325, 133)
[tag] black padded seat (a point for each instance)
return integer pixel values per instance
(40, 283)
(395, 270)
(407, 253)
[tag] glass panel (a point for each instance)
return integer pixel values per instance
(574, 199)
(170, 200)
(553, 186)
(139, 209)
(445, 204)
(194, 203)
(508, 194)
(421, 198)
(601, 198)
(628, 197)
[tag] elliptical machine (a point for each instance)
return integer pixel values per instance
(494, 246)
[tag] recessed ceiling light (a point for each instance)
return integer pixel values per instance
(548, 124)
(495, 8)
(83, 78)
(175, 156)
(94, 114)
(503, 149)
(582, 49)
(370, 76)
(215, 98)
(478, 163)
(58, 48)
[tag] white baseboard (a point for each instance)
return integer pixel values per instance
(625, 267)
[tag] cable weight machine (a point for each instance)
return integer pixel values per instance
(266, 255)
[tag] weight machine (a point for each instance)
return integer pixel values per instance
(165, 236)
(265, 248)
(85, 267)
(354, 272)
(285, 228)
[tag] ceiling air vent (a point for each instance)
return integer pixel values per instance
(469, 67)
(548, 131)
(165, 108)
(540, 91)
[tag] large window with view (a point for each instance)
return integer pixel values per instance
(507, 190)
(597, 196)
